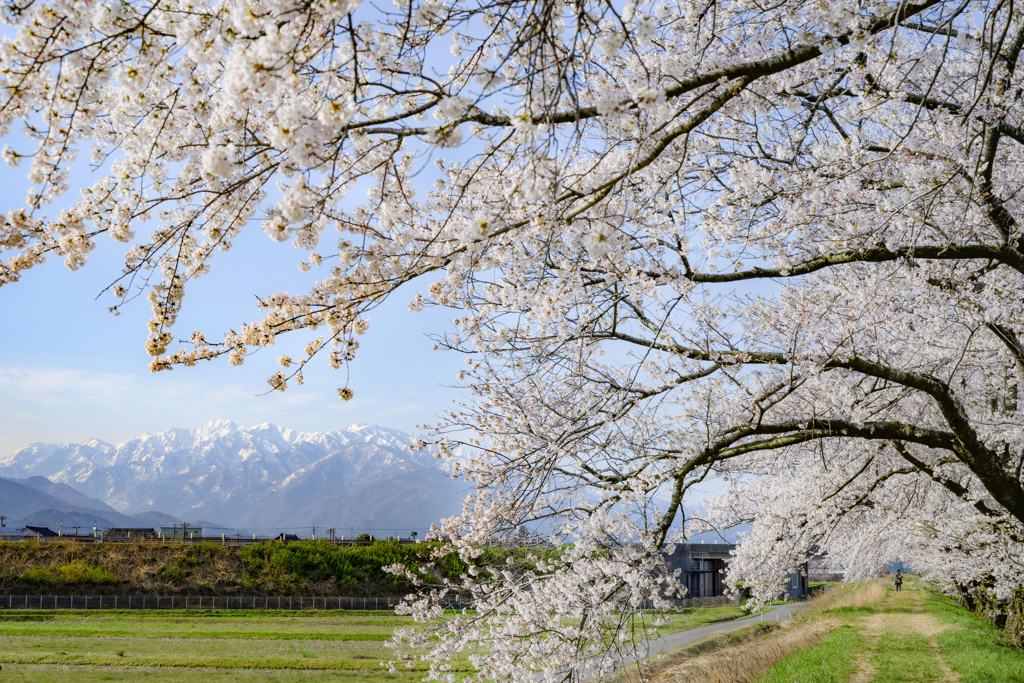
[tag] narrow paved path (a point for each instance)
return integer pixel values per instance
(678, 639)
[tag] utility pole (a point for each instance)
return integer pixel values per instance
(314, 533)
(3, 519)
(76, 528)
(331, 533)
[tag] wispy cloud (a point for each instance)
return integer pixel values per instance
(63, 386)
(61, 405)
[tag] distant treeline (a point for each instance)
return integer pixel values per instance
(267, 568)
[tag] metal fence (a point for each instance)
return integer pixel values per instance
(201, 602)
(195, 540)
(717, 601)
(223, 602)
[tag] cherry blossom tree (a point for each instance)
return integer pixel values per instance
(773, 244)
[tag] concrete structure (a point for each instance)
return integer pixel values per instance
(702, 570)
(702, 567)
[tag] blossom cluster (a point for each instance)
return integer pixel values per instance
(775, 247)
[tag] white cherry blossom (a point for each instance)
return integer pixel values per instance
(777, 246)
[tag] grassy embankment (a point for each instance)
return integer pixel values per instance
(309, 568)
(868, 634)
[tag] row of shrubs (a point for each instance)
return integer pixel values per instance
(74, 573)
(310, 562)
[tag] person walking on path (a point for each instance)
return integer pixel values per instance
(898, 580)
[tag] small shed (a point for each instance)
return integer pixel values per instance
(181, 531)
(39, 532)
(288, 537)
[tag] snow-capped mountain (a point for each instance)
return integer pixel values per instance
(361, 477)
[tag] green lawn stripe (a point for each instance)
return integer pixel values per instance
(187, 662)
(228, 635)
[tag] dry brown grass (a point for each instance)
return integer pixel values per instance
(845, 596)
(139, 568)
(202, 569)
(656, 667)
(748, 661)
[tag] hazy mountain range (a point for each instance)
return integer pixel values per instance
(264, 477)
(39, 501)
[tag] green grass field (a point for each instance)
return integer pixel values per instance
(198, 646)
(47, 645)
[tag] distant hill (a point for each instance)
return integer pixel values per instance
(67, 520)
(41, 502)
(17, 500)
(359, 478)
(156, 519)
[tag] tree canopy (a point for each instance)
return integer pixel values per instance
(778, 244)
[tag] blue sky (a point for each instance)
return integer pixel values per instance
(70, 370)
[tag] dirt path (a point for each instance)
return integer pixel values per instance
(871, 629)
(901, 613)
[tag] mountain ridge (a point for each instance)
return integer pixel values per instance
(362, 476)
